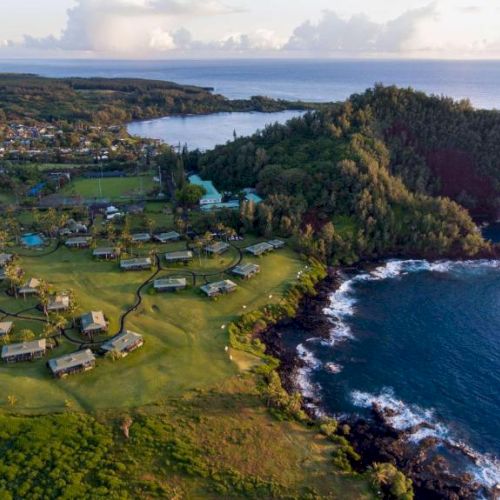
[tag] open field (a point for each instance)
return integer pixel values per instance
(112, 188)
(184, 339)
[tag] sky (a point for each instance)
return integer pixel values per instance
(162, 29)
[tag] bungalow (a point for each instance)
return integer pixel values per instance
(276, 244)
(5, 328)
(181, 256)
(170, 284)
(217, 248)
(78, 242)
(80, 361)
(30, 287)
(218, 288)
(58, 303)
(260, 249)
(25, 351)
(166, 237)
(211, 196)
(106, 253)
(138, 264)
(5, 258)
(123, 343)
(93, 322)
(246, 271)
(141, 237)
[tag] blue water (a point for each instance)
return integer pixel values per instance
(423, 340)
(206, 131)
(310, 80)
(32, 240)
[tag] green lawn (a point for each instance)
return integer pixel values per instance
(184, 339)
(112, 188)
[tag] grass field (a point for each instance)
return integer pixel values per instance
(184, 339)
(112, 188)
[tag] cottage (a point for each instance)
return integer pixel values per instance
(166, 237)
(30, 287)
(123, 343)
(182, 256)
(170, 284)
(80, 361)
(5, 258)
(277, 244)
(25, 351)
(217, 248)
(260, 249)
(78, 242)
(59, 303)
(141, 237)
(218, 288)
(246, 271)
(138, 264)
(5, 328)
(106, 253)
(93, 322)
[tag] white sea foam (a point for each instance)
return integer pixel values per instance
(422, 423)
(307, 388)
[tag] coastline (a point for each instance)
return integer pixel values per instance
(426, 462)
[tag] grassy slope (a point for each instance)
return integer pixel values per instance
(184, 346)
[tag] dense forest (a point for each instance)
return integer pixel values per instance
(108, 101)
(334, 181)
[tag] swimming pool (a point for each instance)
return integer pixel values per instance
(32, 240)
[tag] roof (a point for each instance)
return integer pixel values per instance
(32, 283)
(260, 247)
(105, 251)
(218, 286)
(211, 191)
(24, 348)
(141, 237)
(139, 262)
(276, 243)
(77, 240)
(93, 320)
(171, 235)
(71, 360)
(59, 301)
(246, 269)
(253, 197)
(122, 342)
(217, 247)
(6, 327)
(5, 258)
(170, 282)
(183, 254)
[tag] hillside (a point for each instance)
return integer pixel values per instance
(117, 100)
(334, 181)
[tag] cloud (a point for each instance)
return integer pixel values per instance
(358, 34)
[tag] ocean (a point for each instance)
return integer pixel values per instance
(420, 338)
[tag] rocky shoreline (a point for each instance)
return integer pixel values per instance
(373, 438)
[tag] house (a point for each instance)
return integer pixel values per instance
(181, 256)
(169, 284)
(93, 322)
(25, 351)
(123, 343)
(80, 361)
(166, 237)
(211, 196)
(251, 195)
(246, 271)
(111, 210)
(5, 258)
(137, 264)
(5, 328)
(78, 242)
(58, 303)
(30, 287)
(217, 248)
(106, 253)
(260, 249)
(218, 288)
(276, 244)
(141, 237)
